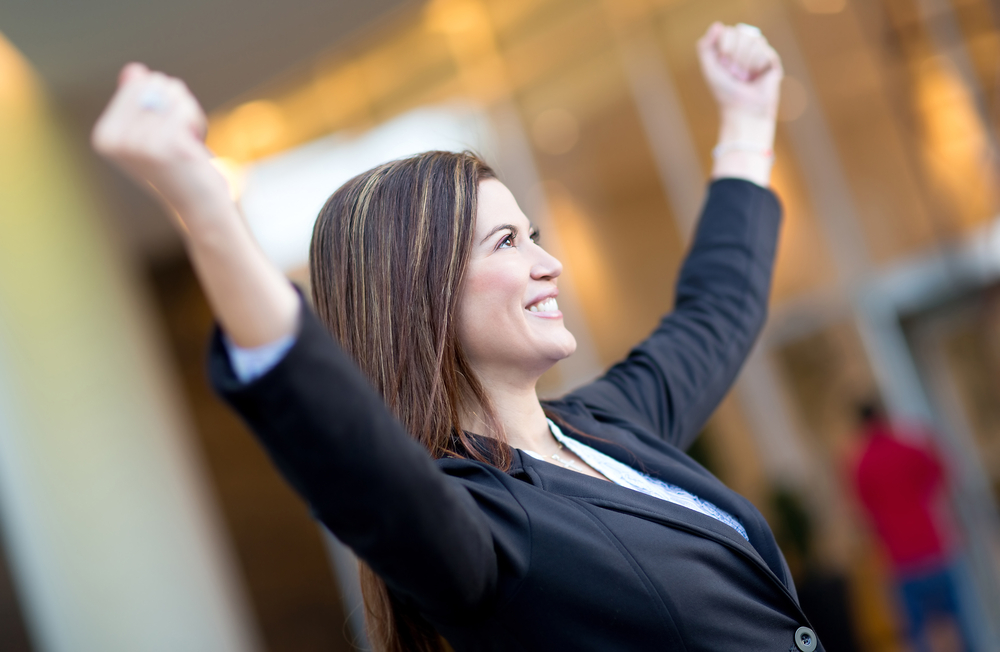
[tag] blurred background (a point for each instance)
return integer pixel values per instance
(136, 513)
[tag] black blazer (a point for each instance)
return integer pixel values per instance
(540, 557)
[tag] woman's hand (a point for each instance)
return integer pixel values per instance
(744, 74)
(742, 70)
(154, 130)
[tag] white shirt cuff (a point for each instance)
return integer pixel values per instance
(251, 364)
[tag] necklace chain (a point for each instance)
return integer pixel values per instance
(569, 464)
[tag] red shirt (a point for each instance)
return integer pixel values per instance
(899, 484)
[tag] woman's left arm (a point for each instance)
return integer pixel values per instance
(673, 381)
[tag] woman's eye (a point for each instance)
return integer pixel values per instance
(508, 241)
(535, 235)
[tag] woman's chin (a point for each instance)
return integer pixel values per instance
(565, 347)
(553, 351)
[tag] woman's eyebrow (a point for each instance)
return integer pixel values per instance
(499, 227)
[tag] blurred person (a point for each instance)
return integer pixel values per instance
(903, 487)
(487, 518)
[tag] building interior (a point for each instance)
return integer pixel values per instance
(138, 513)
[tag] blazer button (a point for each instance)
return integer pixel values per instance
(805, 639)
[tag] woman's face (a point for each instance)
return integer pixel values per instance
(508, 315)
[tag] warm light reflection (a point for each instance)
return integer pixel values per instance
(340, 92)
(455, 16)
(471, 39)
(234, 174)
(956, 149)
(248, 130)
(18, 84)
(453, 36)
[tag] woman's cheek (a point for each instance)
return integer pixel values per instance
(481, 308)
(495, 287)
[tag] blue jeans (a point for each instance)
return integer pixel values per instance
(929, 593)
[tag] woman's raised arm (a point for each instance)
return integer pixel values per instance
(673, 380)
(153, 130)
(326, 429)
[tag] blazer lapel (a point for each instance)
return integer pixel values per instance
(671, 465)
(658, 459)
(609, 495)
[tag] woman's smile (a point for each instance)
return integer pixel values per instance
(545, 307)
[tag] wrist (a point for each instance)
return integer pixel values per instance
(744, 126)
(746, 147)
(196, 194)
(743, 165)
(209, 222)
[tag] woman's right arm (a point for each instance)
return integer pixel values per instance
(325, 428)
(153, 129)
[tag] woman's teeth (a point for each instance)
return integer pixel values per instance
(549, 305)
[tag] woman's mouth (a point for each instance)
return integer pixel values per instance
(547, 305)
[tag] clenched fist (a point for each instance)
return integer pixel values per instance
(154, 130)
(742, 69)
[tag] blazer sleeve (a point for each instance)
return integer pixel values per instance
(375, 488)
(671, 382)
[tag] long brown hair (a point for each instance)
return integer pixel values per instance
(387, 260)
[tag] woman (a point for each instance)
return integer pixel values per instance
(486, 517)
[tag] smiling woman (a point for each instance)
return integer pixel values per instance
(486, 518)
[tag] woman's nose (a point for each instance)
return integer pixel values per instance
(546, 266)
